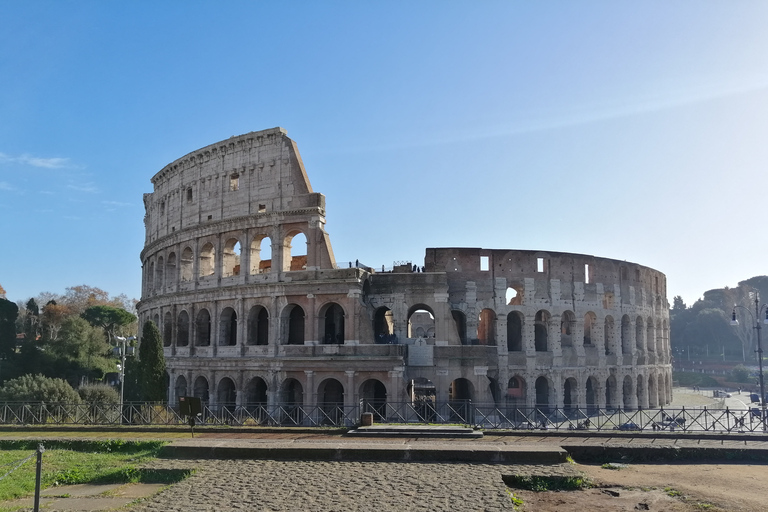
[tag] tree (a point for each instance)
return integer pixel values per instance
(80, 352)
(99, 394)
(38, 388)
(152, 364)
(8, 313)
(53, 317)
(31, 321)
(109, 318)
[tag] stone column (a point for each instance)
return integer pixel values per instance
(350, 397)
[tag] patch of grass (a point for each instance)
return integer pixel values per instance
(613, 465)
(673, 492)
(79, 462)
(517, 501)
(546, 483)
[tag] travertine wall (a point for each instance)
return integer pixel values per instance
(251, 316)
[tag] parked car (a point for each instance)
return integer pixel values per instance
(754, 397)
(628, 426)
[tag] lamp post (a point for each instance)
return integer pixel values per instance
(758, 327)
(123, 339)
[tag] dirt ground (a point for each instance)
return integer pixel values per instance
(661, 487)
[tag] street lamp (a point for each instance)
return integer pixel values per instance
(123, 339)
(758, 327)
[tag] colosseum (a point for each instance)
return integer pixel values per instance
(254, 311)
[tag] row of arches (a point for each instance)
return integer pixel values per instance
(224, 258)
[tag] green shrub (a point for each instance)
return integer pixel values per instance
(37, 388)
(99, 393)
(740, 373)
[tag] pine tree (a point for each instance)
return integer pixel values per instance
(152, 364)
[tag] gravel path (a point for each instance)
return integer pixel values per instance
(266, 485)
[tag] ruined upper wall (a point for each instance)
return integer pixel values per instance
(258, 173)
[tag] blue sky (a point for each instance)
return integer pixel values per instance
(628, 130)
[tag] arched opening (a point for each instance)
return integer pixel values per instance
(542, 394)
(226, 394)
(609, 335)
(626, 341)
(514, 297)
(486, 327)
(331, 326)
(167, 329)
(200, 389)
(541, 331)
(203, 327)
(516, 391)
(423, 397)
(228, 327)
(182, 329)
(373, 394)
(628, 392)
(591, 395)
(180, 388)
(156, 319)
(230, 258)
(421, 322)
(261, 255)
(639, 335)
(292, 398)
(293, 316)
(611, 396)
(590, 319)
(295, 252)
(258, 326)
(207, 260)
(187, 264)
(460, 395)
(170, 269)
(570, 394)
(384, 326)
(152, 278)
(460, 321)
(514, 331)
(256, 397)
(331, 395)
(567, 323)
(159, 281)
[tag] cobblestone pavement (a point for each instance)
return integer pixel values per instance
(266, 485)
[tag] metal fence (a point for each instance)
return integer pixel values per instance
(486, 416)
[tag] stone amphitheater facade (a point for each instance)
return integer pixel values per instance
(240, 277)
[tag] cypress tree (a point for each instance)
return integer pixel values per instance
(152, 364)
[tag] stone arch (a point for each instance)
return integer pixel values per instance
(156, 320)
(486, 327)
(203, 328)
(460, 321)
(543, 394)
(293, 324)
(651, 336)
(373, 394)
(626, 339)
(609, 335)
(460, 390)
(207, 260)
(331, 324)
(628, 393)
(514, 295)
(226, 393)
(180, 387)
(256, 393)
(383, 325)
(295, 255)
(292, 393)
(516, 390)
(167, 329)
(200, 389)
(228, 327)
(590, 320)
(653, 393)
(567, 324)
(514, 331)
(642, 392)
(182, 329)
(421, 321)
(570, 393)
(187, 264)
(230, 258)
(160, 274)
(170, 269)
(258, 326)
(591, 391)
(541, 331)
(261, 255)
(330, 397)
(639, 335)
(152, 277)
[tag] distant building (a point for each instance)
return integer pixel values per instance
(249, 316)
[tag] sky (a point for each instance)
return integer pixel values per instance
(629, 130)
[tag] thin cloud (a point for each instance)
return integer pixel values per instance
(6, 186)
(90, 188)
(36, 161)
(115, 203)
